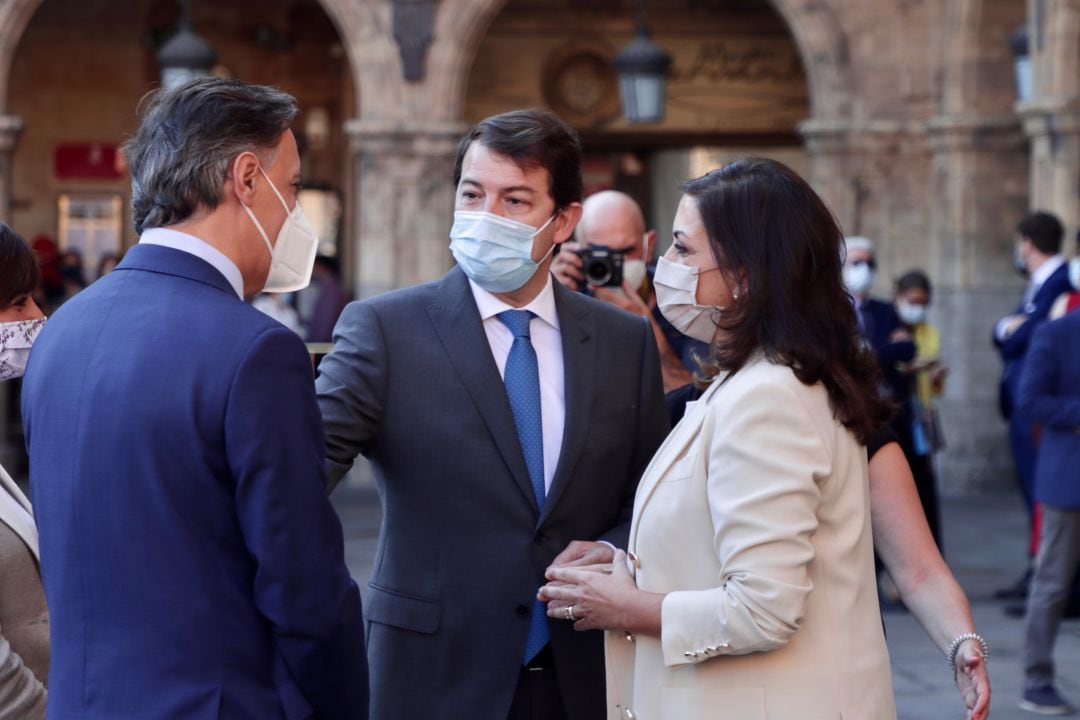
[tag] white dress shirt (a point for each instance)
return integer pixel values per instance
(547, 342)
(200, 249)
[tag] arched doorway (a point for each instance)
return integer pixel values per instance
(738, 86)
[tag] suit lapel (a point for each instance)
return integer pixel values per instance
(461, 332)
(577, 327)
(12, 517)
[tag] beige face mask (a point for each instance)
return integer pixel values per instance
(676, 296)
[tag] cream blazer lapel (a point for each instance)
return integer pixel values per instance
(677, 440)
(12, 505)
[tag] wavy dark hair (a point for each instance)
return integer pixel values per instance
(774, 238)
(19, 273)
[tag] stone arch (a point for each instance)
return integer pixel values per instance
(353, 20)
(824, 50)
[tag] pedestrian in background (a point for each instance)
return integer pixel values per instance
(1037, 256)
(1049, 394)
(330, 300)
(24, 618)
(613, 221)
(916, 421)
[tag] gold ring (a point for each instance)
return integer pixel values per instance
(570, 613)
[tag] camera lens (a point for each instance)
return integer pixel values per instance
(597, 272)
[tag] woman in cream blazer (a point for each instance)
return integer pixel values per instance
(748, 591)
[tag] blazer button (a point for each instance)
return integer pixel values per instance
(521, 611)
(539, 538)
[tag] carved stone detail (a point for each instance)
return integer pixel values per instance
(414, 21)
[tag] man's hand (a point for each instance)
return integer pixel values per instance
(626, 298)
(900, 335)
(567, 266)
(583, 552)
(1011, 324)
(601, 598)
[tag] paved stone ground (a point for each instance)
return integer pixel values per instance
(984, 544)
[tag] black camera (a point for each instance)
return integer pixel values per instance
(602, 266)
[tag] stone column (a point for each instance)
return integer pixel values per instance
(871, 175)
(404, 200)
(1055, 163)
(978, 192)
(10, 127)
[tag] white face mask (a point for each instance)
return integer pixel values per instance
(633, 272)
(292, 257)
(493, 251)
(16, 339)
(1074, 272)
(858, 278)
(676, 296)
(911, 313)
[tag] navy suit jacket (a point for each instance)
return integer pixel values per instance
(193, 566)
(878, 322)
(1015, 348)
(1050, 396)
(413, 385)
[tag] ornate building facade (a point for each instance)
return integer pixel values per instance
(904, 114)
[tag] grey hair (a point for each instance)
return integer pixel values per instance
(189, 136)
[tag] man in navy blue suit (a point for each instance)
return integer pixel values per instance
(878, 323)
(1049, 394)
(192, 563)
(1038, 257)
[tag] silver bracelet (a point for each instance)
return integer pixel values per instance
(954, 647)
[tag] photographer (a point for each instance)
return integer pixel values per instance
(611, 260)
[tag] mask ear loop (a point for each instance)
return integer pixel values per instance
(553, 245)
(265, 237)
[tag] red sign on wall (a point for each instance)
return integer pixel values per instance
(87, 161)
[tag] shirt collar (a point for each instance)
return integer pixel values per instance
(199, 248)
(543, 305)
(1047, 269)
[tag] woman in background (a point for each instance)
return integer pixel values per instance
(24, 618)
(916, 422)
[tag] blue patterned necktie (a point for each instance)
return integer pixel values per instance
(522, 378)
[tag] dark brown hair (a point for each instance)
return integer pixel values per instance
(532, 138)
(1043, 230)
(19, 274)
(769, 229)
(914, 280)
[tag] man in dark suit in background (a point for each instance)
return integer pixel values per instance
(507, 419)
(193, 566)
(878, 323)
(1049, 395)
(1038, 257)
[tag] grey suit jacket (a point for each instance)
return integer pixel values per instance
(413, 385)
(24, 619)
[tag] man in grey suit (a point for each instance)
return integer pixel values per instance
(507, 419)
